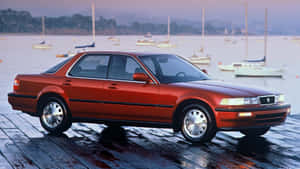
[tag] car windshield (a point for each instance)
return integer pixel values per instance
(58, 66)
(172, 69)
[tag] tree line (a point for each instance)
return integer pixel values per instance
(12, 21)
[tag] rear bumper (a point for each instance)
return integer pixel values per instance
(25, 103)
(266, 116)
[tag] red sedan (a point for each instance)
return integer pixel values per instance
(140, 89)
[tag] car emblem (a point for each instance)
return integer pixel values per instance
(268, 100)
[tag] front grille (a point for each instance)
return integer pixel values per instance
(267, 99)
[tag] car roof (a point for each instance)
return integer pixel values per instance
(122, 53)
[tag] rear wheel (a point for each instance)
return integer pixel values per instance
(255, 132)
(54, 116)
(197, 124)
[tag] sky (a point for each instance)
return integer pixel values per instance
(284, 13)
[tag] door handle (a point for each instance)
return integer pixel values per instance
(112, 87)
(67, 82)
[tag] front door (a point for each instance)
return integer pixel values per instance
(129, 99)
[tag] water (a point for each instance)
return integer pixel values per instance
(279, 148)
(19, 57)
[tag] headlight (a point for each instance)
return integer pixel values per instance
(280, 98)
(239, 101)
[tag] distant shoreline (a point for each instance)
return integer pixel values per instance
(209, 35)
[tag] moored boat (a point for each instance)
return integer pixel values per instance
(260, 71)
(42, 44)
(201, 58)
(198, 59)
(166, 44)
(145, 42)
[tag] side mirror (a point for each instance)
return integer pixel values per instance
(141, 77)
(204, 71)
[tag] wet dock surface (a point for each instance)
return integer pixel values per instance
(24, 144)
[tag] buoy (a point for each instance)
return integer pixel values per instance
(219, 63)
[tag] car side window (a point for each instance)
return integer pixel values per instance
(123, 68)
(91, 66)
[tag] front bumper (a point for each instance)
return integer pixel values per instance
(263, 116)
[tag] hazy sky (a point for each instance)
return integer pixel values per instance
(285, 12)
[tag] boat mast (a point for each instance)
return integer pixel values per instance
(43, 28)
(246, 29)
(168, 28)
(266, 34)
(93, 21)
(203, 25)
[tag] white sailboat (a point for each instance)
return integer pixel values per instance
(201, 58)
(42, 44)
(148, 35)
(166, 44)
(246, 63)
(260, 71)
(94, 31)
(83, 47)
(226, 33)
(145, 42)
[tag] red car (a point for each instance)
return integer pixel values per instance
(140, 89)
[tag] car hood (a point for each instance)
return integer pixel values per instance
(224, 88)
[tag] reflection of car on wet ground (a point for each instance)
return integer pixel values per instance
(140, 89)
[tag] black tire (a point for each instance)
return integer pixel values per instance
(64, 124)
(210, 131)
(255, 132)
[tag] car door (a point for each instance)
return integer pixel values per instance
(84, 85)
(129, 99)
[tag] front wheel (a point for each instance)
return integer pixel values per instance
(198, 124)
(54, 116)
(255, 132)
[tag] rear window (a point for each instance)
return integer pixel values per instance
(58, 66)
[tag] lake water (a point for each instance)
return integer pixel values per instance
(283, 52)
(279, 148)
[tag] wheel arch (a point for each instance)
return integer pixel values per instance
(43, 96)
(176, 115)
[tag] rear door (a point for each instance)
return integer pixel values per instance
(84, 85)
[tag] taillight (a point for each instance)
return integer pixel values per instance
(16, 84)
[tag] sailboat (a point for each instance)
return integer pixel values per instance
(226, 33)
(246, 63)
(147, 41)
(260, 71)
(148, 35)
(202, 58)
(42, 44)
(229, 38)
(93, 44)
(166, 44)
(83, 47)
